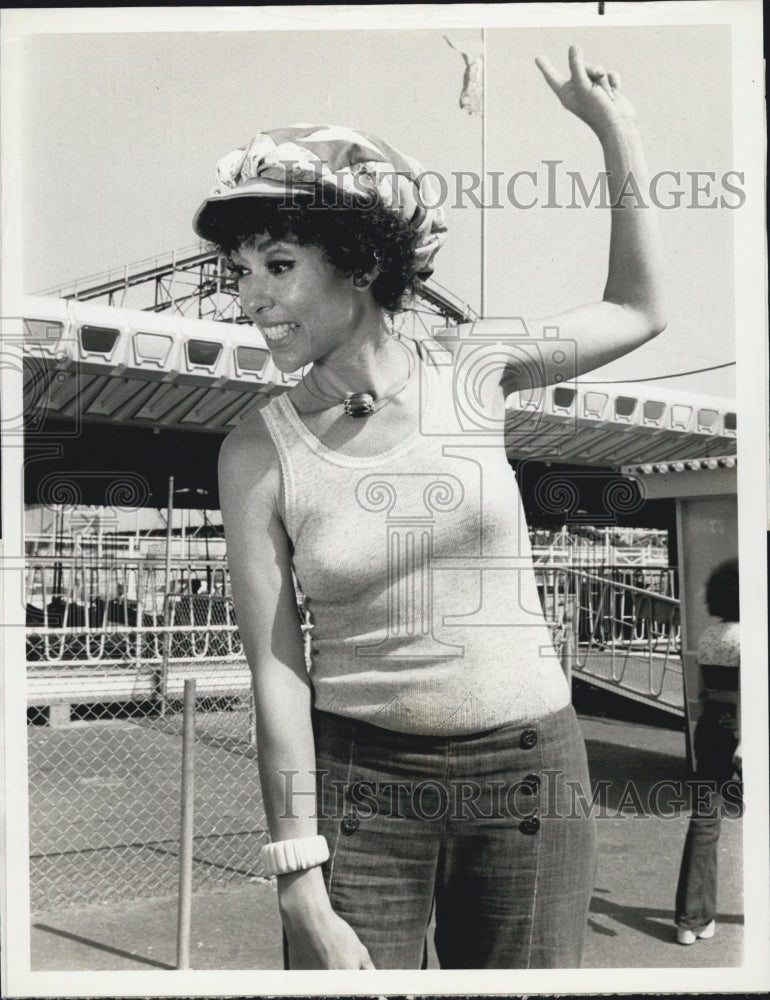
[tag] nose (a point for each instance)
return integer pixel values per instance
(254, 297)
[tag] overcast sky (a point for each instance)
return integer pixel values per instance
(121, 133)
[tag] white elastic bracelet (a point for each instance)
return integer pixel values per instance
(294, 855)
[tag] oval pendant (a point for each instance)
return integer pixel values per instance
(359, 404)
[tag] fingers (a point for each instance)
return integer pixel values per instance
(577, 66)
(599, 77)
(366, 961)
(587, 76)
(554, 78)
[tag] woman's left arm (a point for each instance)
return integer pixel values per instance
(631, 309)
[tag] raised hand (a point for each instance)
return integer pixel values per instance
(590, 92)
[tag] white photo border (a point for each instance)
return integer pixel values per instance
(745, 19)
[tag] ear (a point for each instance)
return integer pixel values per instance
(362, 280)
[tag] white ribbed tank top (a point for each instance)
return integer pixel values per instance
(417, 572)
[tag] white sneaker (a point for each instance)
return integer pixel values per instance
(684, 935)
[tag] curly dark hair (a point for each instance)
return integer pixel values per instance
(722, 592)
(354, 238)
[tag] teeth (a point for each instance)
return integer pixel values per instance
(279, 332)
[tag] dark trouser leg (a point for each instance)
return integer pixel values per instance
(696, 892)
(517, 868)
(384, 852)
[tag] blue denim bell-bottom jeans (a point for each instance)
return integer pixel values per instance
(714, 745)
(484, 828)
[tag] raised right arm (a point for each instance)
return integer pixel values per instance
(268, 620)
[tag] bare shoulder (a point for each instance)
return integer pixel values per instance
(248, 462)
(259, 558)
(249, 435)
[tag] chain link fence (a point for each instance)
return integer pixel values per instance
(109, 646)
(108, 651)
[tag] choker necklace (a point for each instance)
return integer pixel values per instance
(361, 404)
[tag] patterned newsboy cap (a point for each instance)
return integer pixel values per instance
(294, 162)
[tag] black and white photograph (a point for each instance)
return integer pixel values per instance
(384, 500)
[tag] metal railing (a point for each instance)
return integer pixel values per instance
(623, 636)
(133, 615)
(597, 556)
(102, 282)
(199, 271)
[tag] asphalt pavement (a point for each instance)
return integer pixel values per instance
(630, 922)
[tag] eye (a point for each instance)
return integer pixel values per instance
(234, 271)
(280, 266)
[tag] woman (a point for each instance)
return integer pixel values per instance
(415, 765)
(717, 751)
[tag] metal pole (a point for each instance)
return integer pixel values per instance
(208, 554)
(169, 532)
(184, 916)
(163, 679)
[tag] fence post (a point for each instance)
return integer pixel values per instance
(139, 624)
(184, 916)
(163, 679)
(569, 631)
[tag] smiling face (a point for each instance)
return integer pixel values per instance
(304, 307)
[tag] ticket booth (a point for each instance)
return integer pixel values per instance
(705, 493)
